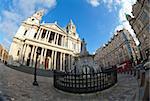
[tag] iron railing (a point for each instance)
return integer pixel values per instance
(86, 82)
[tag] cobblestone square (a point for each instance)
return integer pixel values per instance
(17, 86)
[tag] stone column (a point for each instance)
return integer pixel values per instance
(55, 60)
(68, 61)
(54, 38)
(45, 53)
(62, 41)
(34, 58)
(41, 56)
(26, 54)
(52, 59)
(64, 61)
(32, 53)
(49, 63)
(20, 53)
(23, 52)
(57, 39)
(60, 61)
(44, 56)
(48, 36)
(71, 63)
(40, 34)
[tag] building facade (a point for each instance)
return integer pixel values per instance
(3, 54)
(119, 50)
(57, 46)
(141, 25)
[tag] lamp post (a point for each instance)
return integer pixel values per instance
(35, 81)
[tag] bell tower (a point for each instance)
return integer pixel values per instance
(71, 28)
(35, 18)
(29, 27)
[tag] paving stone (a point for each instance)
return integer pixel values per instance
(17, 86)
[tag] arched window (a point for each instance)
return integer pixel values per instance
(18, 53)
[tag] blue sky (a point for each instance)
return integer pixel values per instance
(96, 20)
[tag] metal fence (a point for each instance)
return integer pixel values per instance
(85, 82)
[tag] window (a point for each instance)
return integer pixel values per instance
(144, 17)
(147, 8)
(67, 29)
(138, 26)
(18, 53)
(33, 19)
(74, 34)
(148, 28)
(35, 35)
(25, 32)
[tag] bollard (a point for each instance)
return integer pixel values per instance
(131, 71)
(124, 72)
(135, 72)
(127, 71)
(138, 75)
(146, 92)
(142, 79)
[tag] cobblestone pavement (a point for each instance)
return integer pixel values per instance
(17, 86)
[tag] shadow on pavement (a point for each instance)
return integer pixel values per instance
(30, 70)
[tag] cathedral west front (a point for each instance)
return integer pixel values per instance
(57, 46)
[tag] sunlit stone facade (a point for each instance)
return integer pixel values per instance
(3, 54)
(119, 49)
(57, 46)
(141, 25)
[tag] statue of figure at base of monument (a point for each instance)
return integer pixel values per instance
(84, 51)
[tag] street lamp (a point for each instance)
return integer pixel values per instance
(35, 82)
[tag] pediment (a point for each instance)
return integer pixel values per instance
(55, 27)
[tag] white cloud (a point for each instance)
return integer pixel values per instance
(109, 3)
(117, 1)
(19, 10)
(126, 8)
(119, 27)
(94, 3)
